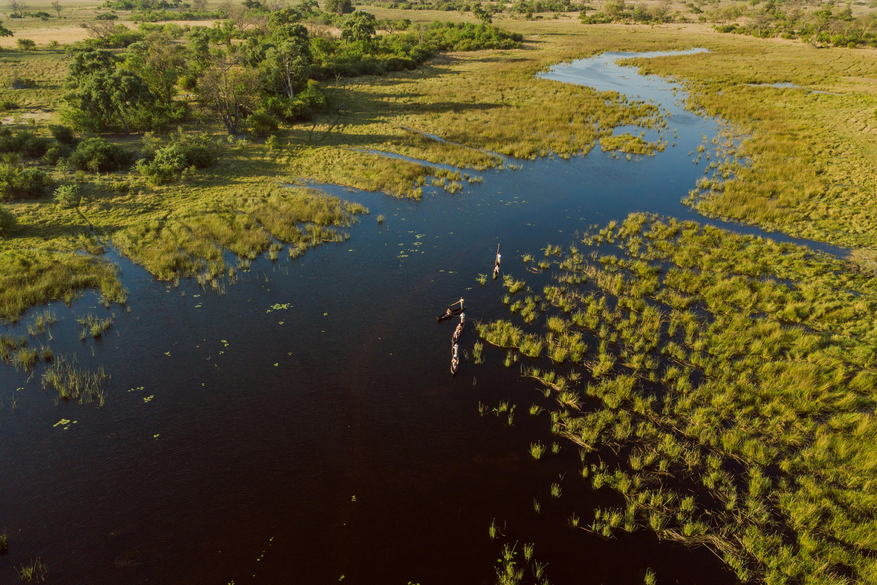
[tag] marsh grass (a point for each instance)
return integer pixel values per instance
(30, 277)
(94, 326)
(36, 570)
(73, 382)
(736, 375)
(41, 323)
(537, 450)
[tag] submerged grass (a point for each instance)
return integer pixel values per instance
(735, 381)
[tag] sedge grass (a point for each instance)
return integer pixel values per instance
(73, 382)
(758, 391)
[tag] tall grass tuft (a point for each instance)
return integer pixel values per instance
(72, 382)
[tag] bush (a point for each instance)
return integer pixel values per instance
(301, 107)
(18, 183)
(262, 125)
(63, 134)
(99, 156)
(172, 160)
(67, 195)
(7, 221)
(26, 45)
(24, 143)
(53, 155)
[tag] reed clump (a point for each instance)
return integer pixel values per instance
(735, 377)
(73, 382)
(94, 326)
(36, 570)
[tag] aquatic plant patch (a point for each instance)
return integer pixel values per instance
(725, 388)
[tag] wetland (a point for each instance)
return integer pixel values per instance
(237, 376)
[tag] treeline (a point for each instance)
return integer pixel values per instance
(819, 26)
(243, 66)
(516, 7)
(249, 76)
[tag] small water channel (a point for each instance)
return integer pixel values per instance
(303, 426)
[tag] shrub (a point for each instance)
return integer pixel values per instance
(63, 134)
(7, 221)
(301, 107)
(7, 105)
(262, 125)
(173, 159)
(24, 143)
(18, 183)
(53, 155)
(67, 195)
(99, 156)
(26, 44)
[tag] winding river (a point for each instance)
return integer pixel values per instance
(303, 426)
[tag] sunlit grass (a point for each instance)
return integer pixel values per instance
(768, 364)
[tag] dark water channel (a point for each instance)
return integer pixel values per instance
(304, 427)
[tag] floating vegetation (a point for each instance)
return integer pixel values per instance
(482, 279)
(737, 377)
(536, 450)
(73, 382)
(380, 218)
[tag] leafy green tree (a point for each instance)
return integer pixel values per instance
(229, 90)
(4, 32)
(159, 62)
(101, 93)
(360, 26)
(287, 64)
(482, 15)
(338, 6)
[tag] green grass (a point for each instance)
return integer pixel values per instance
(732, 367)
(36, 570)
(94, 326)
(73, 382)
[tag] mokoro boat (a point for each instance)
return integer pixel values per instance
(458, 333)
(453, 312)
(455, 363)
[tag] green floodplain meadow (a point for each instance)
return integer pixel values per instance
(728, 383)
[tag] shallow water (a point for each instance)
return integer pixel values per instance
(304, 426)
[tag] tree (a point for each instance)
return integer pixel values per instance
(159, 62)
(228, 90)
(101, 93)
(338, 6)
(57, 7)
(482, 15)
(360, 26)
(4, 32)
(287, 64)
(17, 8)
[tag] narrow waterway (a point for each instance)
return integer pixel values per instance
(304, 426)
